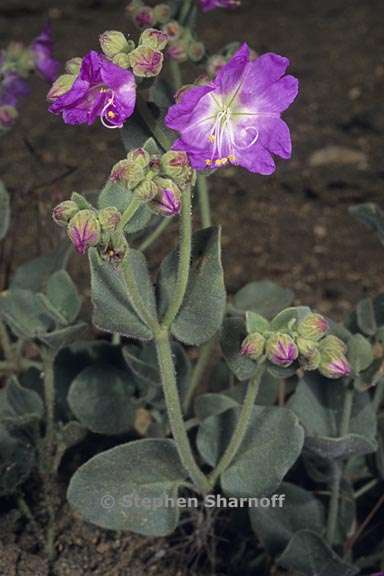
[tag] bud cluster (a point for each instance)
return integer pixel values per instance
(156, 179)
(306, 341)
(88, 227)
(16, 58)
(218, 60)
(144, 16)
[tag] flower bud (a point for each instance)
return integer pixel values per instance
(175, 164)
(134, 5)
(115, 249)
(215, 64)
(155, 39)
(173, 30)
(113, 42)
(63, 212)
(146, 62)
(281, 349)
(73, 65)
(122, 60)
(140, 156)
(311, 361)
(84, 230)
(167, 201)
(143, 17)
(306, 347)
(60, 86)
(177, 51)
(146, 190)
(196, 51)
(8, 115)
(128, 173)
(253, 346)
(334, 365)
(332, 345)
(109, 218)
(162, 13)
(313, 327)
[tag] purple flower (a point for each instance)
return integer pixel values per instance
(335, 367)
(42, 48)
(236, 117)
(12, 88)
(167, 201)
(281, 350)
(208, 5)
(84, 230)
(101, 90)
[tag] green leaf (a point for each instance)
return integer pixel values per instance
(17, 459)
(275, 526)
(23, 312)
(5, 211)
(256, 323)
(19, 404)
(57, 339)
(366, 320)
(82, 202)
(203, 309)
(63, 295)
(264, 456)
(264, 297)
(112, 308)
(103, 491)
(232, 336)
(360, 354)
(99, 397)
(318, 404)
(34, 274)
(289, 316)
(114, 194)
(308, 555)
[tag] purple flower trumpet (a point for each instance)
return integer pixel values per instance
(208, 5)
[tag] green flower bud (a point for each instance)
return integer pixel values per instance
(139, 156)
(173, 30)
(73, 65)
(146, 62)
(167, 201)
(306, 347)
(128, 173)
(196, 51)
(113, 42)
(63, 212)
(162, 13)
(146, 190)
(134, 5)
(334, 365)
(311, 361)
(84, 230)
(155, 39)
(61, 85)
(143, 17)
(109, 219)
(175, 164)
(177, 50)
(253, 346)
(122, 60)
(281, 350)
(332, 345)
(314, 327)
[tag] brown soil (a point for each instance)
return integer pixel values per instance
(293, 227)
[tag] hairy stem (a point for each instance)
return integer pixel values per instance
(175, 414)
(198, 371)
(203, 191)
(337, 468)
(130, 211)
(242, 425)
(136, 298)
(184, 260)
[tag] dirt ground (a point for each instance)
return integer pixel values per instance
(292, 227)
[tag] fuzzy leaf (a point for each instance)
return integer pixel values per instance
(101, 489)
(264, 297)
(34, 274)
(232, 336)
(114, 194)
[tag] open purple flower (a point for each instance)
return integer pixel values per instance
(208, 5)
(236, 117)
(42, 48)
(101, 90)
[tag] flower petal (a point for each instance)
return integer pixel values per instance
(257, 159)
(275, 136)
(230, 75)
(179, 114)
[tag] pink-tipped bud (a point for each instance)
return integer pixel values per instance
(162, 13)
(175, 164)
(63, 212)
(155, 39)
(196, 51)
(113, 42)
(215, 64)
(177, 51)
(332, 345)
(313, 327)
(84, 230)
(73, 65)
(167, 201)
(127, 173)
(109, 219)
(140, 157)
(8, 115)
(60, 86)
(334, 366)
(281, 350)
(143, 17)
(173, 30)
(146, 62)
(253, 346)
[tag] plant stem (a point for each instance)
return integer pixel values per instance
(5, 342)
(152, 124)
(203, 190)
(366, 488)
(242, 425)
(129, 212)
(177, 79)
(27, 512)
(175, 414)
(136, 299)
(198, 371)
(151, 238)
(185, 11)
(337, 468)
(184, 259)
(48, 357)
(379, 393)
